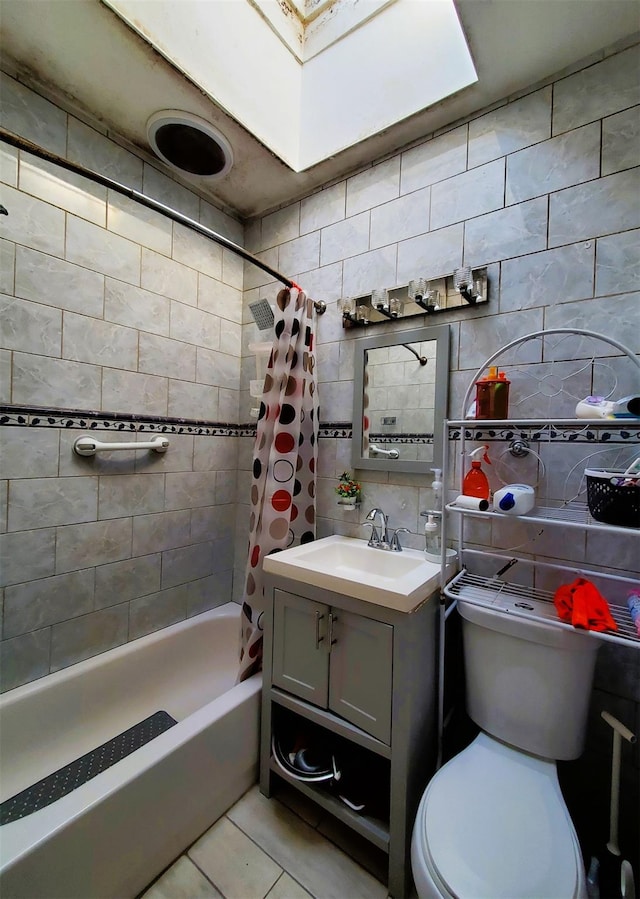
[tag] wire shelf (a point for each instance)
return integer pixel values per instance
(572, 514)
(533, 604)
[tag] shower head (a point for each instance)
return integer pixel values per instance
(262, 314)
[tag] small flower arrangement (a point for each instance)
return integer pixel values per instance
(349, 491)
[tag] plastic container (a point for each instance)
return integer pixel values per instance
(475, 481)
(492, 395)
(514, 499)
(613, 497)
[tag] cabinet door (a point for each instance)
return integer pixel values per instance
(360, 679)
(300, 650)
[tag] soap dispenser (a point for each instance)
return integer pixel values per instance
(475, 481)
(436, 486)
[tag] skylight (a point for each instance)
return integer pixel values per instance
(312, 77)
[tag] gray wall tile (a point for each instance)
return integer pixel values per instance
(219, 221)
(7, 266)
(509, 128)
(37, 604)
(32, 222)
(193, 400)
(55, 383)
(217, 369)
(374, 186)
(399, 219)
(220, 299)
(160, 187)
(169, 278)
(301, 254)
(135, 307)
(615, 317)
(187, 564)
(35, 457)
(506, 233)
(595, 208)
(86, 339)
(158, 531)
(30, 327)
(157, 610)
(348, 237)
(552, 276)
(45, 502)
(194, 326)
(232, 269)
(433, 161)
(481, 337)
(5, 376)
(323, 208)
(165, 357)
(100, 250)
(618, 263)
(431, 255)
(9, 165)
(97, 152)
(121, 581)
(86, 636)
(47, 279)
(190, 490)
(63, 189)
(209, 592)
(27, 556)
(369, 270)
(130, 494)
(139, 224)
(95, 543)
(24, 658)
(130, 392)
(553, 164)
(196, 251)
(280, 226)
(621, 141)
(26, 113)
(465, 196)
(599, 90)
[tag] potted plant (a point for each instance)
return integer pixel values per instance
(349, 491)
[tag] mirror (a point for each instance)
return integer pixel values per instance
(400, 399)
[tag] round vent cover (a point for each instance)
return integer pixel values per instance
(189, 144)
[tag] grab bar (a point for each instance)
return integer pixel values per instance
(89, 446)
(378, 451)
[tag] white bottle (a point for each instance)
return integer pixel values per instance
(514, 499)
(436, 486)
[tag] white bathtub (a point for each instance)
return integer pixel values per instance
(114, 834)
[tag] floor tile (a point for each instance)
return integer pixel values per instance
(287, 888)
(321, 868)
(182, 881)
(234, 864)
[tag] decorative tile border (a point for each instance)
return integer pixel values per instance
(402, 439)
(553, 433)
(85, 420)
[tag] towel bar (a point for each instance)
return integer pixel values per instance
(89, 446)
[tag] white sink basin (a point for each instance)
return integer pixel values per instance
(397, 580)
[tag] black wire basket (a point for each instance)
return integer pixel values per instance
(613, 497)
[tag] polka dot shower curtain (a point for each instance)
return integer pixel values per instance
(283, 504)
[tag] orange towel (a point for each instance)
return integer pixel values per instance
(582, 605)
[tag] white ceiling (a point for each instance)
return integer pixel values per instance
(81, 51)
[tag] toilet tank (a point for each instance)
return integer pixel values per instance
(528, 682)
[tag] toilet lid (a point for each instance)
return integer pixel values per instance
(496, 825)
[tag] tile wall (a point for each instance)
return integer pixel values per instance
(113, 318)
(544, 190)
(108, 308)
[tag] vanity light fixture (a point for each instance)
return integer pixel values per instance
(464, 287)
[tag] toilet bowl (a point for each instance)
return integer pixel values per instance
(493, 824)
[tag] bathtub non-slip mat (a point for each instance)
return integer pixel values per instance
(83, 769)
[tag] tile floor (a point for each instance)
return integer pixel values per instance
(278, 848)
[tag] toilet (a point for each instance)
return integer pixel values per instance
(492, 823)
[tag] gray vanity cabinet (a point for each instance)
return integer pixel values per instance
(334, 659)
(365, 676)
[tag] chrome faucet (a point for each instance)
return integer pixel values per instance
(395, 540)
(379, 538)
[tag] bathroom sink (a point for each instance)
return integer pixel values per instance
(397, 580)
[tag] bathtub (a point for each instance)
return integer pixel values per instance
(113, 834)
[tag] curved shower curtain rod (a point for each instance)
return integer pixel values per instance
(29, 147)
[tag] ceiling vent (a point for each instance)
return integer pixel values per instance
(189, 144)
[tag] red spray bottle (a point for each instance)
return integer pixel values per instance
(475, 481)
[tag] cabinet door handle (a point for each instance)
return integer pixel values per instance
(319, 639)
(332, 620)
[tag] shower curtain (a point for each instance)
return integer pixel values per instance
(283, 503)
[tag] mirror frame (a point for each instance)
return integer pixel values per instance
(439, 333)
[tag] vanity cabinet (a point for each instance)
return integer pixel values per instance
(365, 676)
(334, 659)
